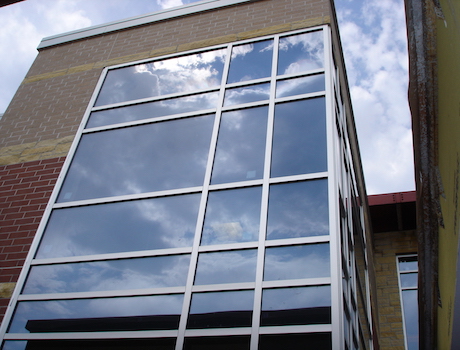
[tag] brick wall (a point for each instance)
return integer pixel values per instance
(387, 247)
(50, 102)
(25, 189)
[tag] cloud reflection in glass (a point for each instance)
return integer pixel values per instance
(180, 74)
(232, 216)
(154, 272)
(153, 157)
(240, 146)
(299, 261)
(157, 223)
(298, 209)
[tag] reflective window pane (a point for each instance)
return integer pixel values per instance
(153, 157)
(408, 263)
(241, 146)
(302, 341)
(179, 74)
(295, 306)
(226, 267)
(298, 209)
(153, 109)
(241, 342)
(299, 139)
(104, 314)
(300, 53)
(408, 280)
(157, 223)
(298, 86)
(247, 94)
(294, 262)
(232, 216)
(93, 344)
(410, 307)
(221, 309)
(251, 61)
(155, 272)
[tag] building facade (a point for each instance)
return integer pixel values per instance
(188, 180)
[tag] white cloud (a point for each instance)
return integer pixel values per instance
(169, 3)
(374, 41)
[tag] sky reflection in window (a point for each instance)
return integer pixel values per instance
(158, 223)
(173, 75)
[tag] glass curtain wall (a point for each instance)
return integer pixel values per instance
(196, 210)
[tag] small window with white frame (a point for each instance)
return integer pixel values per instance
(408, 277)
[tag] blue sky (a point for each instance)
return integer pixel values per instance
(374, 41)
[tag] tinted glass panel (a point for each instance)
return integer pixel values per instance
(317, 341)
(180, 74)
(162, 271)
(408, 280)
(303, 261)
(410, 306)
(106, 314)
(112, 344)
(299, 140)
(153, 109)
(246, 94)
(139, 159)
(299, 53)
(251, 61)
(214, 343)
(289, 306)
(166, 222)
(221, 309)
(298, 209)
(241, 146)
(298, 86)
(232, 216)
(226, 267)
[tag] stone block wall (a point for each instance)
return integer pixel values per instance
(387, 246)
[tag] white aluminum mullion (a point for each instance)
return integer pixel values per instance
(128, 197)
(297, 241)
(313, 328)
(203, 203)
(264, 204)
(153, 120)
(112, 256)
(320, 281)
(334, 215)
(152, 98)
(208, 332)
(223, 287)
(301, 97)
(292, 178)
(102, 294)
(92, 335)
(300, 74)
(44, 220)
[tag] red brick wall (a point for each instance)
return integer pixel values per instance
(24, 193)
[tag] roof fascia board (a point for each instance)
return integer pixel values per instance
(204, 5)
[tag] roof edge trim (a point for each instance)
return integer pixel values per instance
(196, 7)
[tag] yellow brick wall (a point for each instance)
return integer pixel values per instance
(387, 247)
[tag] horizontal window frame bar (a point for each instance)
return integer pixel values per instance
(92, 335)
(102, 294)
(112, 256)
